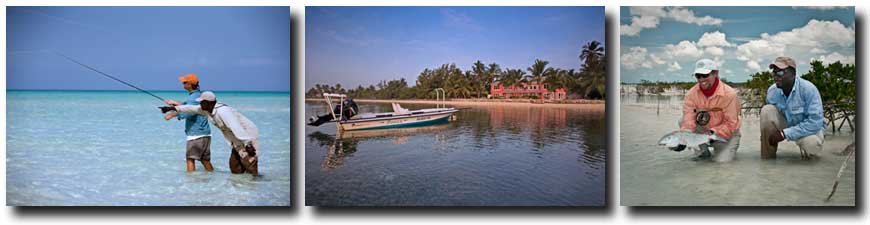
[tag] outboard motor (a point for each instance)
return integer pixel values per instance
(350, 109)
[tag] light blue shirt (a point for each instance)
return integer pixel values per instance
(194, 125)
(802, 108)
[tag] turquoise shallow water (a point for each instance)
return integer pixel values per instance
(114, 148)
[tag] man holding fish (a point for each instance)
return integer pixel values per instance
(793, 112)
(710, 110)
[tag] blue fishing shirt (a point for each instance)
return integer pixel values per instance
(802, 108)
(194, 124)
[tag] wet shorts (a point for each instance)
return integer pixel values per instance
(199, 149)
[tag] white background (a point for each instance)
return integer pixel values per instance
(300, 214)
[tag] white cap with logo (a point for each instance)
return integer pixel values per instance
(705, 66)
(208, 96)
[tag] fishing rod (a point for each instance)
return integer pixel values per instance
(109, 76)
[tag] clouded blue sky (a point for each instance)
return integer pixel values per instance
(363, 45)
(663, 43)
(230, 48)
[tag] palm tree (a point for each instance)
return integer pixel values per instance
(513, 77)
(538, 71)
(493, 70)
(593, 82)
(591, 52)
(477, 76)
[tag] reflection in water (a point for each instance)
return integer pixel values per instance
(490, 155)
(347, 141)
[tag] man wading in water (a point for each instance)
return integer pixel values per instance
(195, 126)
(240, 132)
(793, 112)
(712, 107)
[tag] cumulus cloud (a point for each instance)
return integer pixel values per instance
(836, 56)
(715, 51)
(814, 37)
(715, 38)
(655, 59)
(674, 67)
(647, 17)
(684, 49)
(636, 57)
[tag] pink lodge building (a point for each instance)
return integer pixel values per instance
(538, 90)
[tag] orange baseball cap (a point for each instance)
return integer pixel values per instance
(189, 78)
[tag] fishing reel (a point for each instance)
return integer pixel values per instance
(702, 117)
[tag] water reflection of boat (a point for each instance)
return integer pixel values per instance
(345, 114)
(345, 143)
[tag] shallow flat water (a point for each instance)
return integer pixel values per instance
(654, 176)
(488, 156)
(114, 148)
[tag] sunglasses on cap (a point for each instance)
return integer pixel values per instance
(701, 76)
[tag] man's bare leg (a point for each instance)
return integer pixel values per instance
(191, 165)
(207, 165)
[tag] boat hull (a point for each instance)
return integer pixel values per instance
(397, 121)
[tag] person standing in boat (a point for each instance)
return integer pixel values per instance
(195, 126)
(712, 107)
(239, 131)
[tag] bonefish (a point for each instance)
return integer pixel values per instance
(689, 139)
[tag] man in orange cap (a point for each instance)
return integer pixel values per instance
(195, 126)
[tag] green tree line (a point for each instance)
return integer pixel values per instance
(587, 82)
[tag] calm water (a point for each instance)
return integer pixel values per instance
(494, 155)
(114, 148)
(653, 175)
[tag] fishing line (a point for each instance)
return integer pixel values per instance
(109, 76)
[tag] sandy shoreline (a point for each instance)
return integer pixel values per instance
(588, 105)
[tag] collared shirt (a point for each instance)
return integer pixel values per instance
(723, 107)
(236, 128)
(195, 126)
(802, 108)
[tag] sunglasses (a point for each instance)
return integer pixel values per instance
(701, 76)
(779, 73)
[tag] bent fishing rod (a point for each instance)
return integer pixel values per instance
(109, 76)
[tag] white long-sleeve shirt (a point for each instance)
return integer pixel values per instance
(236, 128)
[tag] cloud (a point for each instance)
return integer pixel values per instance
(655, 59)
(753, 52)
(648, 17)
(636, 57)
(687, 16)
(453, 18)
(814, 37)
(753, 65)
(638, 24)
(715, 38)
(836, 56)
(818, 51)
(684, 50)
(715, 51)
(816, 34)
(674, 67)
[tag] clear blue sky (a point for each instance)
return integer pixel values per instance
(363, 45)
(744, 40)
(230, 48)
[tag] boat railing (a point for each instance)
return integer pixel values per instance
(328, 97)
(440, 97)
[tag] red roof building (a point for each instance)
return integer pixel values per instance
(537, 90)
